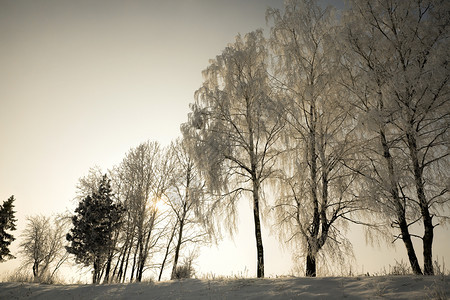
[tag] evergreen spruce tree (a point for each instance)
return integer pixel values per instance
(7, 222)
(94, 222)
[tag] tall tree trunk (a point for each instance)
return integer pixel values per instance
(101, 271)
(145, 249)
(108, 269)
(96, 271)
(122, 252)
(118, 270)
(177, 250)
(311, 262)
(401, 218)
(116, 266)
(256, 186)
(35, 270)
(125, 269)
(139, 260)
(182, 222)
(121, 265)
(315, 225)
(423, 203)
(259, 242)
(406, 238)
(134, 258)
(166, 254)
(119, 262)
(111, 251)
(140, 266)
(428, 246)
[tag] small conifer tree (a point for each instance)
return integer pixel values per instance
(95, 220)
(7, 222)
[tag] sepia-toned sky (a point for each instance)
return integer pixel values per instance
(81, 82)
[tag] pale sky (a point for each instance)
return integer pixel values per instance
(81, 82)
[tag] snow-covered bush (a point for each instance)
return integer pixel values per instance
(184, 271)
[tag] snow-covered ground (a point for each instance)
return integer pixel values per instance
(384, 287)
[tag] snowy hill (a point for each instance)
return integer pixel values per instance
(384, 287)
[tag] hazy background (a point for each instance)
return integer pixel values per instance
(81, 82)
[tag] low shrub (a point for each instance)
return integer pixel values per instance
(184, 271)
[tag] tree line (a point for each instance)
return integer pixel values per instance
(146, 209)
(146, 213)
(345, 116)
(341, 117)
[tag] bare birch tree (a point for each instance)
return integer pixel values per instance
(317, 191)
(42, 245)
(144, 178)
(402, 52)
(185, 197)
(233, 128)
